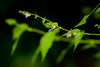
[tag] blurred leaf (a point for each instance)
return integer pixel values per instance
(43, 20)
(47, 25)
(86, 10)
(97, 55)
(63, 53)
(91, 44)
(19, 29)
(50, 24)
(83, 21)
(35, 55)
(56, 30)
(10, 21)
(76, 30)
(14, 47)
(17, 32)
(77, 39)
(98, 10)
(96, 15)
(46, 43)
(65, 34)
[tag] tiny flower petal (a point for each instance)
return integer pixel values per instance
(54, 27)
(50, 30)
(68, 35)
(75, 33)
(27, 15)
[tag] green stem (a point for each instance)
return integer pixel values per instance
(92, 34)
(58, 38)
(94, 10)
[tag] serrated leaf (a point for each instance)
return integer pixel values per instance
(63, 53)
(19, 29)
(46, 43)
(98, 10)
(10, 21)
(83, 21)
(77, 39)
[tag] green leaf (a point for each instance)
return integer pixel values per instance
(10, 21)
(97, 55)
(19, 29)
(63, 53)
(76, 30)
(98, 10)
(56, 30)
(91, 44)
(35, 55)
(47, 25)
(14, 47)
(50, 24)
(46, 43)
(77, 39)
(83, 21)
(17, 32)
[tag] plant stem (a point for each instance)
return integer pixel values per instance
(94, 9)
(92, 34)
(58, 38)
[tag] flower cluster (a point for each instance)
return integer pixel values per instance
(71, 34)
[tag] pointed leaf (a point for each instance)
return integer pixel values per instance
(19, 29)
(46, 43)
(14, 47)
(63, 53)
(77, 39)
(83, 21)
(98, 10)
(17, 32)
(10, 21)
(35, 55)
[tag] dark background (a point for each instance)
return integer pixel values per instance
(66, 12)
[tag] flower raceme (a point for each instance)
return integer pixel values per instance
(71, 33)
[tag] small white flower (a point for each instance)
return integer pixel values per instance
(52, 28)
(68, 35)
(75, 33)
(27, 15)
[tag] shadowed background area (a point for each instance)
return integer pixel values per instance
(66, 13)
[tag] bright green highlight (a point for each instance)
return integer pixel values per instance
(11, 21)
